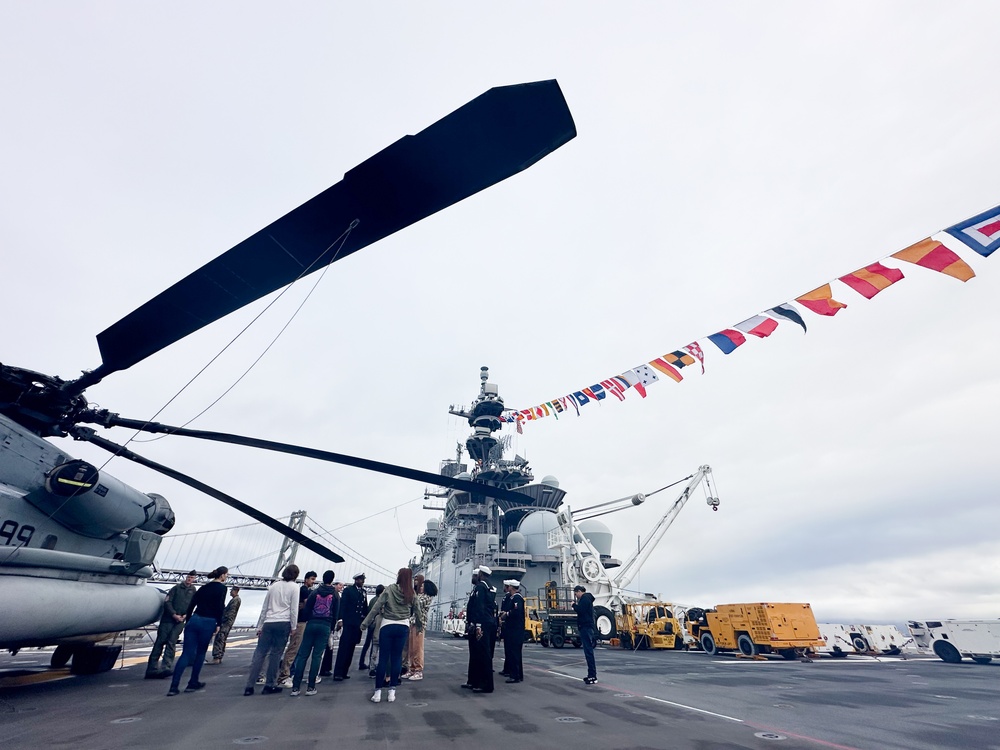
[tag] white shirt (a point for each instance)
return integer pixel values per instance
(281, 604)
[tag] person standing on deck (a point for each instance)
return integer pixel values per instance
(228, 618)
(353, 608)
(295, 638)
(513, 633)
(504, 609)
(320, 611)
(481, 622)
(278, 617)
(204, 618)
(171, 625)
(584, 607)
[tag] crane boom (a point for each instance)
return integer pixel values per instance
(634, 563)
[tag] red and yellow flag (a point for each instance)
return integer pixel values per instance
(666, 369)
(935, 256)
(820, 300)
(871, 280)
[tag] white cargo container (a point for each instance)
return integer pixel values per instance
(952, 640)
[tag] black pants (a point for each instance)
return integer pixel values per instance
(326, 668)
(368, 642)
(480, 663)
(589, 638)
(513, 641)
(350, 638)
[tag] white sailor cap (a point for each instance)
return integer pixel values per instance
(512, 582)
(484, 570)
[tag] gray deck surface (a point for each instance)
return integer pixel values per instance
(645, 699)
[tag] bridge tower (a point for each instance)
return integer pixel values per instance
(289, 548)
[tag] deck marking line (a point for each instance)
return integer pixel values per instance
(692, 708)
(560, 674)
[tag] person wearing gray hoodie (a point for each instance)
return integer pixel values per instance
(397, 604)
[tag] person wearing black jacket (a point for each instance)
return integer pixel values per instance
(481, 622)
(584, 607)
(504, 609)
(204, 618)
(321, 611)
(513, 632)
(353, 609)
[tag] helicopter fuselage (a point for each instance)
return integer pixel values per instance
(75, 546)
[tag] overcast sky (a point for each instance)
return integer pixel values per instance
(730, 157)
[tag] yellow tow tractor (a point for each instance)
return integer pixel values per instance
(649, 624)
(757, 628)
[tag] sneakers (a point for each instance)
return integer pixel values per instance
(319, 680)
(416, 676)
(589, 680)
(261, 680)
(294, 693)
(377, 698)
(193, 686)
(285, 683)
(173, 691)
(392, 695)
(309, 691)
(248, 691)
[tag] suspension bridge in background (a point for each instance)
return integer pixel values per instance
(256, 555)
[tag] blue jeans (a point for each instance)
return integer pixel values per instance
(270, 644)
(589, 638)
(391, 639)
(197, 637)
(314, 639)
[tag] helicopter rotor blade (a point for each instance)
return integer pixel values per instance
(494, 136)
(465, 485)
(88, 435)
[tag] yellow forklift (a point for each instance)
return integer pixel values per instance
(532, 621)
(649, 624)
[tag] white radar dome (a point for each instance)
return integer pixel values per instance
(598, 534)
(536, 527)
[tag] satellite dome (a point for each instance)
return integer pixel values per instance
(536, 527)
(464, 475)
(550, 481)
(598, 534)
(433, 524)
(516, 542)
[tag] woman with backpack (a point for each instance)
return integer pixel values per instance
(320, 612)
(396, 605)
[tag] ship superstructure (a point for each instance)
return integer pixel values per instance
(535, 540)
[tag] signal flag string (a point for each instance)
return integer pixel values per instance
(981, 233)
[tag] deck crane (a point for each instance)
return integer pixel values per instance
(581, 561)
